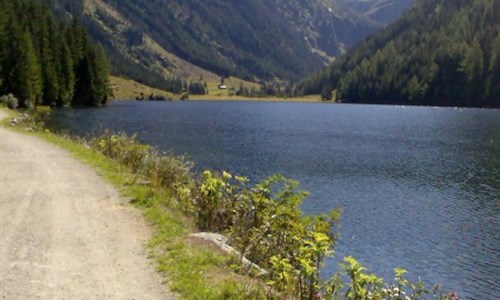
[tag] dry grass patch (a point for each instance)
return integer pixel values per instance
(126, 89)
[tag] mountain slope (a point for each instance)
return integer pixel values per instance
(252, 39)
(385, 11)
(444, 52)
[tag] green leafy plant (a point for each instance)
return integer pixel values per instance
(362, 285)
(264, 223)
(218, 197)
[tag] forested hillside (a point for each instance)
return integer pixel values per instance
(444, 52)
(152, 41)
(43, 62)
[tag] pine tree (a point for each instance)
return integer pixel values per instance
(84, 86)
(47, 53)
(91, 70)
(10, 54)
(439, 53)
(44, 63)
(3, 18)
(101, 75)
(493, 85)
(326, 93)
(2, 25)
(28, 75)
(472, 67)
(77, 41)
(66, 77)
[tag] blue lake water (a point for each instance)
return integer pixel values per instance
(420, 187)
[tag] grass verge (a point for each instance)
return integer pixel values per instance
(127, 89)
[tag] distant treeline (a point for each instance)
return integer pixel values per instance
(444, 52)
(45, 62)
(268, 89)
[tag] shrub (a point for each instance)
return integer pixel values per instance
(216, 201)
(365, 286)
(10, 100)
(167, 172)
(126, 150)
(265, 224)
(41, 116)
(196, 88)
(35, 119)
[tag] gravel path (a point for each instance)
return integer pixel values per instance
(65, 234)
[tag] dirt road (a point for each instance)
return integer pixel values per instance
(65, 234)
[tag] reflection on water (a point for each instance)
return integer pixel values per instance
(419, 186)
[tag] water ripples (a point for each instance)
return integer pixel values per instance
(419, 186)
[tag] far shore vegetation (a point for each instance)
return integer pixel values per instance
(127, 89)
(262, 221)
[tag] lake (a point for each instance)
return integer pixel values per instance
(419, 187)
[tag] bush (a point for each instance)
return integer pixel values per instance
(167, 172)
(35, 119)
(41, 115)
(264, 223)
(10, 100)
(122, 148)
(217, 201)
(363, 285)
(197, 88)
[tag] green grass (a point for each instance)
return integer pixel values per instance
(127, 89)
(191, 269)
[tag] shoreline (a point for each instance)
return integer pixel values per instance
(208, 98)
(311, 99)
(127, 89)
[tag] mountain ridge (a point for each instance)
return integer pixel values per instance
(255, 40)
(440, 53)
